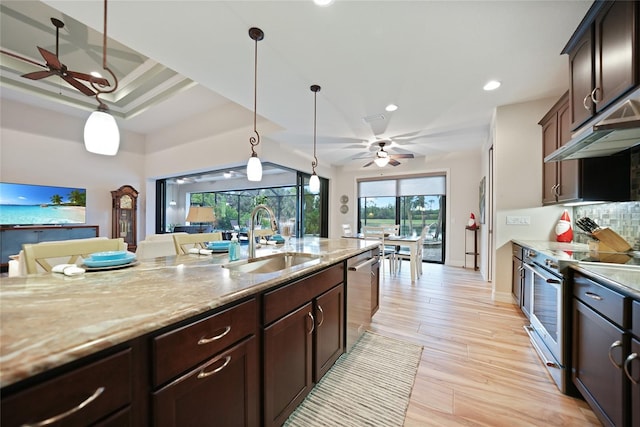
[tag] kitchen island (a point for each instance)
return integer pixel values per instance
(51, 321)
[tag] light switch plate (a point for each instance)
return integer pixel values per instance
(518, 220)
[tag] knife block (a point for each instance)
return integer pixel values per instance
(610, 241)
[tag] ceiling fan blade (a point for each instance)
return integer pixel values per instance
(52, 60)
(88, 77)
(401, 156)
(393, 162)
(368, 164)
(37, 75)
(82, 88)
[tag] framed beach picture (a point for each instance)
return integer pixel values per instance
(482, 192)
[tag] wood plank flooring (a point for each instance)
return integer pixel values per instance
(478, 367)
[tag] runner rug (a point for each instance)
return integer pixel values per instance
(369, 386)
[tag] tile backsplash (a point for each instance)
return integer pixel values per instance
(623, 218)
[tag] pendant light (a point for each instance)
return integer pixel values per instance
(314, 181)
(101, 134)
(254, 166)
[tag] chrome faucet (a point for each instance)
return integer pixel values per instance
(252, 224)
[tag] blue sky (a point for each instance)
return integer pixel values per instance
(24, 194)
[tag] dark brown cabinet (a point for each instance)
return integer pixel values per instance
(517, 273)
(222, 391)
(303, 336)
(600, 348)
(213, 365)
(603, 58)
(559, 179)
(632, 364)
(581, 179)
(97, 393)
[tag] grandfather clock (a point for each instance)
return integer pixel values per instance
(125, 207)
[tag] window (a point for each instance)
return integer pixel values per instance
(414, 203)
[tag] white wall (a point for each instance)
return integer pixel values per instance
(463, 176)
(517, 141)
(46, 148)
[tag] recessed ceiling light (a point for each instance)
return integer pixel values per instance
(323, 2)
(492, 85)
(391, 107)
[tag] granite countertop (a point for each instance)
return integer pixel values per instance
(625, 277)
(47, 320)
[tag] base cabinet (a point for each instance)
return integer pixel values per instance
(303, 336)
(98, 393)
(222, 391)
(600, 350)
(632, 364)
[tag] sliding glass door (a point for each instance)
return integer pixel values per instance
(416, 203)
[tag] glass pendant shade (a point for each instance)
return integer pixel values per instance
(314, 184)
(101, 134)
(381, 161)
(254, 169)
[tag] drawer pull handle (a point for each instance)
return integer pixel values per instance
(71, 411)
(203, 374)
(615, 344)
(217, 337)
(322, 313)
(627, 368)
(313, 323)
(593, 296)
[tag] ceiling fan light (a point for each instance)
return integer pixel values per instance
(314, 184)
(101, 134)
(381, 161)
(254, 168)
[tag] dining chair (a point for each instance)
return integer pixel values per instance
(184, 242)
(405, 255)
(386, 252)
(41, 257)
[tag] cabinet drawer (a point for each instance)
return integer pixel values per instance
(286, 299)
(181, 349)
(103, 387)
(602, 299)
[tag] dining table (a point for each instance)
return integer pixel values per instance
(412, 242)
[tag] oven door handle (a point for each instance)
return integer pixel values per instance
(539, 272)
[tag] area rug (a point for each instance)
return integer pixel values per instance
(369, 386)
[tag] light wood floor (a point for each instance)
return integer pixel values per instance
(478, 367)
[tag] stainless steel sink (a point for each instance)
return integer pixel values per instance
(271, 263)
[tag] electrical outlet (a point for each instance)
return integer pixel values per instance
(518, 220)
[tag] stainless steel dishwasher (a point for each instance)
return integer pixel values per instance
(362, 283)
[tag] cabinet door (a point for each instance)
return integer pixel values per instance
(615, 69)
(527, 280)
(223, 391)
(549, 170)
(581, 80)
(329, 334)
(568, 170)
(634, 370)
(287, 364)
(516, 280)
(595, 342)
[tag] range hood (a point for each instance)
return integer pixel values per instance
(604, 137)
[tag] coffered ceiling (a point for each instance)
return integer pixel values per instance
(175, 59)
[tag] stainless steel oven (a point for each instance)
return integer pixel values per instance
(547, 316)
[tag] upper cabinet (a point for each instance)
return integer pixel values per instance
(603, 58)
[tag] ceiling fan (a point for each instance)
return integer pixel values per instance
(57, 68)
(382, 157)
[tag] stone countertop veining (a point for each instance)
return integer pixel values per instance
(47, 320)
